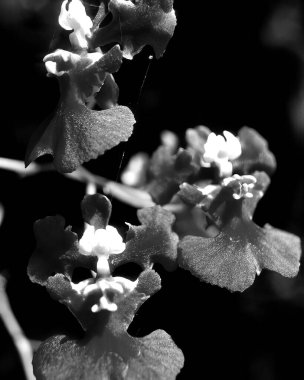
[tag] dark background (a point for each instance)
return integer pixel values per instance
(220, 70)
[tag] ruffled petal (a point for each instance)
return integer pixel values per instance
(151, 242)
(234, 257)
(241, 249)
(136, 24)
(111, 352)
(75, 133)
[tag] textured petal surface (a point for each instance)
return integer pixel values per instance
(234, 257)
(110, 352)
(151, 242)
(76, 134)
(136, 24)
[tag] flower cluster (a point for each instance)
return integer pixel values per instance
(88, 121)
(213, 187)
(221, 152)
(201, 198)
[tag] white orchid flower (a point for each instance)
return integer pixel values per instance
(75, 18)
(102, 243)
(220, 151)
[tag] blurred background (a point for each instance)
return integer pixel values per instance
(229, 64)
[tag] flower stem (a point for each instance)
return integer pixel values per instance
(133, 197)
(22, 344)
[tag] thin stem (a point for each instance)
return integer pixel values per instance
(133, 197)
(18, 167)
(22, 344)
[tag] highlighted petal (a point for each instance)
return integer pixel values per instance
(136, 24)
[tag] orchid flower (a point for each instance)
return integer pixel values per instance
(221, 152)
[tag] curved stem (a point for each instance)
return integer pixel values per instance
(22, 344)
(133, 197)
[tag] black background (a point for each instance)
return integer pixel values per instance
(217, 71)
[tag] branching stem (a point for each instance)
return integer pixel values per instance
(134, 197)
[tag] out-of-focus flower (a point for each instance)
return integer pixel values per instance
(162, 174)
(221, 152)
(242, 186)
(247, 152)
(206, 160)
(135, 173)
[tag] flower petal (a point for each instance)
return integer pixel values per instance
(255, 153)
(136, 24)
(241, 250)
(283, 252)
(76, 134)
(56, 251)
(151, 242)
(107, 97)
(96, 210)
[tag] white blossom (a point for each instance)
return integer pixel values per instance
(220, 151)
(102, 243)
(75, 18)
